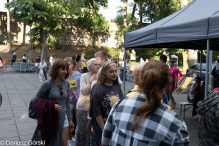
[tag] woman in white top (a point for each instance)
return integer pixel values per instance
(51, 60)
(24, 58)
(42, 70)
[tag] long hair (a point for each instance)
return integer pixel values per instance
(100, 74)
(155, 76)
(104, 69)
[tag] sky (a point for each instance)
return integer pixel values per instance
(110, 13)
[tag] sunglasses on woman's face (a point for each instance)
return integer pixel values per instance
(60, 90)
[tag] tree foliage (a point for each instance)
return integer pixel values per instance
(51, 15)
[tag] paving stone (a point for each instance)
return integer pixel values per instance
(6, 116)
(25, 120)
(29, 131)
(23, 126)
(9, 134)
(6, 128)
(7, 122)
(19, 114)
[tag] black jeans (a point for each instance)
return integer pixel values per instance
(12, 62)
(44, 73)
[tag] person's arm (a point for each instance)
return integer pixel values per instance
(41, 92)
(97, 105)
(69, 115)
(100, 121)
(89, 125)
(182, 137)
(85, 86)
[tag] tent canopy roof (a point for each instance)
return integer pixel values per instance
(187, 28)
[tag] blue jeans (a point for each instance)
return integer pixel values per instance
(91, 141)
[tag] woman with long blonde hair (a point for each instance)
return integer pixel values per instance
(104, 94)
(144, 119)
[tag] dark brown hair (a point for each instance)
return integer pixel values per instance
(155, 76)
(59, 63)
(101, 54)
(198, 80)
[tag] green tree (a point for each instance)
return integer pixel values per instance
(44, 14)
(120, 18)
(9, 29)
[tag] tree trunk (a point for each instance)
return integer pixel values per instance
(156, 18)
(140, 13)
(24, 32)
(125, 13)
(45, 44)
(133, 13)
(94, 39)
(65, 36)
(9, 30)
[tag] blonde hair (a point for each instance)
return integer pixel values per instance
(137, 71)
(99, 73)
(105, 67)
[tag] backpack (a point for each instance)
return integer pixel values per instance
(3, 62)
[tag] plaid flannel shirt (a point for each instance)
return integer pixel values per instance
(163, 127)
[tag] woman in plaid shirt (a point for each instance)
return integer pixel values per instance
(144, 119)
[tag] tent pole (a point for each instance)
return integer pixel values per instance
(207, 68)
(200, 64)
(210, 62)
(124, 70)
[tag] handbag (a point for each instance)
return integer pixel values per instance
(83, 103)
(188, 98)
(31, 111)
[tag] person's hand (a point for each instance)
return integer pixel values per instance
(71, 125)
(172, 104)
(57, 107)
(93, 78)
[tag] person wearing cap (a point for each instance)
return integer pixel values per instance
(174, 73)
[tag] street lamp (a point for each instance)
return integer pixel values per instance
(117, 34)
(30, 23)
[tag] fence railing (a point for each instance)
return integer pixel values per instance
(21, 67)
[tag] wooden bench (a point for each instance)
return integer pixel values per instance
(183, 108)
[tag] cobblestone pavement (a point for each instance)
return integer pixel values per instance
(19, 88)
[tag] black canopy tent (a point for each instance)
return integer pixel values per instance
(194, 26)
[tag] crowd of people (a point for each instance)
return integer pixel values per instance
(92, 110)
(83, 103)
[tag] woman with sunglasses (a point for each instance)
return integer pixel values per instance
(73, 78)
(59, 92)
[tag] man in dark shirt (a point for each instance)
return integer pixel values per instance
(38, 59)
(14, 56)
(214, 77)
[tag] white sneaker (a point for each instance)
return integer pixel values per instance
(41, 80)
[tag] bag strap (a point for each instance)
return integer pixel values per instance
(118, 104)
